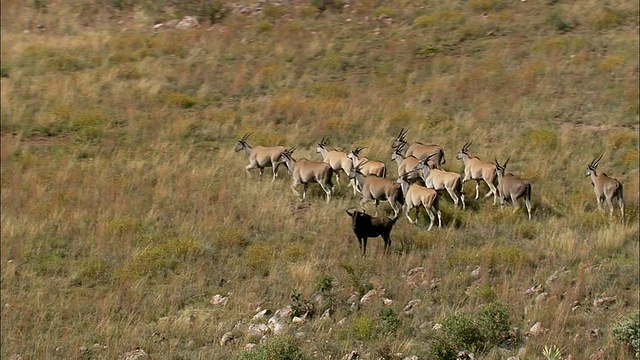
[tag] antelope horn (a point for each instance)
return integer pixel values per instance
(505, 163)
(361, 163)
(595, 161)
(246, 136)
(466, 146)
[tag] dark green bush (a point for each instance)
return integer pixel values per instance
(282, 347)
(494, 323)
(627, 331)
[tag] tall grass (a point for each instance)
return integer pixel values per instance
(125, 210)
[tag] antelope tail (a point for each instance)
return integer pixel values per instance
(528, 191)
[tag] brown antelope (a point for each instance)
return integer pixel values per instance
(407, 163)
(476, 169)
(442, 180)
(304, 171)
(416, 196)
(336, 159)
(366, 226)
(420, 150)
(375, 188)
(368, 167)
(511, 186)
(260, 156)
(605, 187)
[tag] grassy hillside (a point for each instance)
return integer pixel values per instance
(125, 210)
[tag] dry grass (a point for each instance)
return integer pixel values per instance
(124, 209)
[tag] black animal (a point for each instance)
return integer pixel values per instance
(366, 226)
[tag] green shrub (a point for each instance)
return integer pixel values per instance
(626, 331)
(300, 306)
(363, 328)
(281, 347)
(325, 284)
(494, 323)
(259, 256)
(323, 5)
(459, 332)
(556, 21)
(159, 259)
(390, 321)
(481, 6)
(180, 99)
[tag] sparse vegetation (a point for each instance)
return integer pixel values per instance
(127, 220)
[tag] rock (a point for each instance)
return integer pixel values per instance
(188, 22)
(437, 327)
(534, 289)
(592, 334)
(256, 330)
(134, 355)
(476, 273)
(326, 314)
(541, 297)
(387, 301)
(412, 357)
(552, 278)
(219, 300)
(435, 282)
(415, 271)
(537, 329)
(410, 307)
(604, 302)
(351, 356)
(261, 315)
(367, 297)
(249, 347)
(226, 338)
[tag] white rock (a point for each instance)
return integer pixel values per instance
(228, 336)
(219, 300)
(537, 329)
(188, 22)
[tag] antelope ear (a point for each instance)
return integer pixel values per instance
(351, 212)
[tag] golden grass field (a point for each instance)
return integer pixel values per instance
(125, 209)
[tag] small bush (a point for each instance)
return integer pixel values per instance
(541, 139)
(444, 20)
(459, 332)
(91, 272)
(323, 5)
(626, 331)
(494, 323)
(281, 347)
(180, 99)
(481, 6)
(556, 21)
(606, 18)
(325, 284)
(363, 328)
(390, 321)
(259, 256)
(159, 259)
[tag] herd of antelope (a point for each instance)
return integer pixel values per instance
(420, 179)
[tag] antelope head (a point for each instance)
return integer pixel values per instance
(242, 143)
(400, 139)
(501, 168)
(424, 164)
(322, 145)
(591, 168)
(464, 150)
(355, 153)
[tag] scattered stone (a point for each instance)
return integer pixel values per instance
(342, 322)
(415, 271)
(437, 327)
(258, 330)
(605, 302)
(299, 320)
(249, 347)
(463, 355)
(134, 355)
(534, 289)
(226, 338)
(537, 329)
(387, 301)
(552, 278)
(412, 357)
(351, 356)
(261, 315)
(435, 282)
(410, 307)
(300, 335)
(575, 305)
(219, 300)
(367, 297)
(541, 297)
(592, 334)
(326, 314)
(476, 273)
(188, 22)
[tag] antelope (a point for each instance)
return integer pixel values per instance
(439, 179)
(476, 169)
(375, 188)
(304, 171)
(366, 226)
(511, 186)
(420, 150)
(407, 163)
(260, 156)
(605, 186)
(336, 159)
(416, 196)
(377, 168)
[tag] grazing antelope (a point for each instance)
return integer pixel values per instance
(375, 188)
(511, 186)
(368, 167)
(336, 159)
(260, 156)
(476, 169)
(407, 163)
(439, 179)
(304, 171)
(416, 196)
(366, 226)
(605, 186)
(420, 150)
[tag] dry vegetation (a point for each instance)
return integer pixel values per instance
(125, 210)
